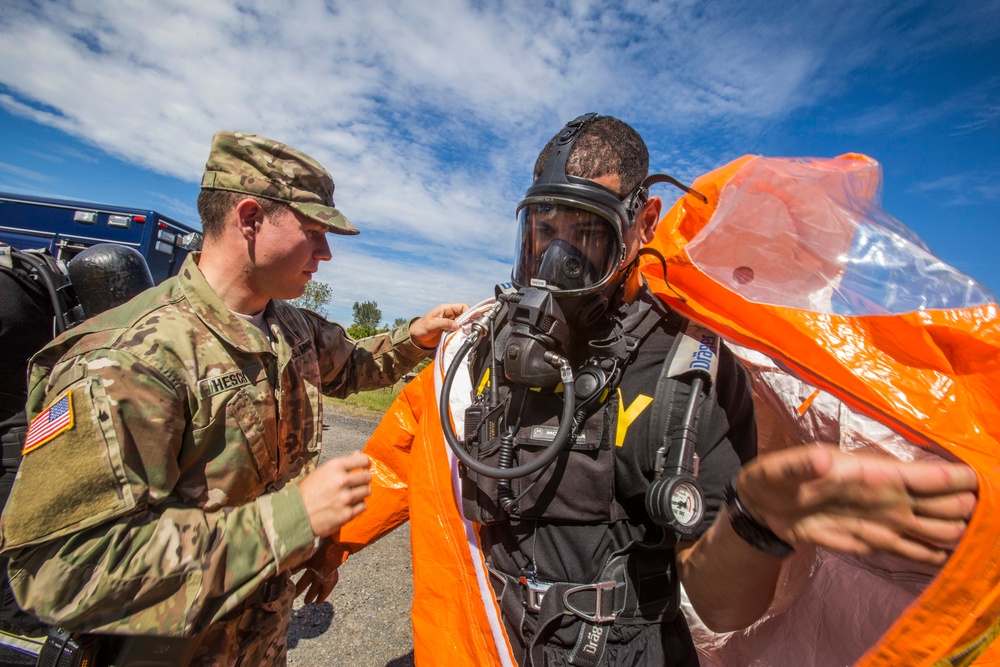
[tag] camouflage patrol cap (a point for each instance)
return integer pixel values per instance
(255, 165)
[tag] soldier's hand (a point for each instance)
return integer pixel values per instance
(426, 331)
(335, 492)
(860, 503)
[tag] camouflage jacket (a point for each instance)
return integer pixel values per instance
(159, 489)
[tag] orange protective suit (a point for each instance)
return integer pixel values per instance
(793, 262)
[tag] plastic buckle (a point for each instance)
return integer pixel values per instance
(598, 588)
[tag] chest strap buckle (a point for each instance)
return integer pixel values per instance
(536, 591)
(596, 603)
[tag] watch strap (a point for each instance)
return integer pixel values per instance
(753, 532)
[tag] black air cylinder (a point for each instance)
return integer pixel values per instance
(107, 275)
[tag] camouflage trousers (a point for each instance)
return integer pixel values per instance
(255, 637)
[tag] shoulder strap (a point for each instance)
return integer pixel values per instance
(694, 353)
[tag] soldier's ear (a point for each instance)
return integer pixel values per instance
(249, 217)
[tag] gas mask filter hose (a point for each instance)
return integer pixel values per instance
(480, 329)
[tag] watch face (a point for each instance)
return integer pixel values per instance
(686, 504)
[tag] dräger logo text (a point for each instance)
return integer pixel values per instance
(702, 358)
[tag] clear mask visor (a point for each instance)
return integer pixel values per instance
(565, 248)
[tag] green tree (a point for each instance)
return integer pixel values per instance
(398, 322)
(367, 317)
(316, 297)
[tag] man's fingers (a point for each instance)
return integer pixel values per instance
(333, 493)
(426, 331)
(882, 538)
(440, 318)
(319, 591)
(796, 465)
(928, 478)
(861, 537)
(356, 488)
(302, 584)
(955, 506)
(445, 318)
(362, 491)
(450, 324)
(358, 478)
(942, 533)
(451, 310)
(350, 461)
(315, 587)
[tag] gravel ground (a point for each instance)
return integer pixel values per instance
(366, 620)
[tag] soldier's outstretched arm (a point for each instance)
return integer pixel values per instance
(348, 365)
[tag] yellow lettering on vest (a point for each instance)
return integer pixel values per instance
(629, 415)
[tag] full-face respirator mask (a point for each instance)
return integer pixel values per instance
(569, 264)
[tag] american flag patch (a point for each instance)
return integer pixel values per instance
(54, 420)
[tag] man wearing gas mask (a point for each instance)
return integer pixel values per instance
(600, 451)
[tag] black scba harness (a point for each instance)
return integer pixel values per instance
(504, 428)
(39, 273)
(41, 276)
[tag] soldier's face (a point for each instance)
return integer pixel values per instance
(288, 250)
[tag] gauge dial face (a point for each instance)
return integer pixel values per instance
(686, 504)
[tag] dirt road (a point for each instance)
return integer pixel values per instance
(366, 620)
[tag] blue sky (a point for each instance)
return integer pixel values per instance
(430, 115)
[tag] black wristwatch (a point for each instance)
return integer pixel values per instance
(754, 533)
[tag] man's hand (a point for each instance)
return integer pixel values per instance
(426, 331)
(335, 492)
(860, 503)
(317, 587)
(320, 573)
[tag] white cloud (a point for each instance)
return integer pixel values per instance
(429, 115)
(961, 189)
(345, 82)
(22, 173)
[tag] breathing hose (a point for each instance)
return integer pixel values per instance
(479, 329)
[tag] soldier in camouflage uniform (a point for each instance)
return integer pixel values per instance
(169, 485)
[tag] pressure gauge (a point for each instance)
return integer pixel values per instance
(676, 501)
(687, 506)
